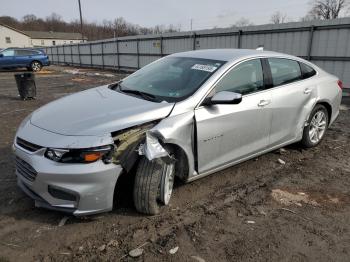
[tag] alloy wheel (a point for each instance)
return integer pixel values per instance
(167, 183)
(317, 127)
(36, 66)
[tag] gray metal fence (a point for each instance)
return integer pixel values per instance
(326, 43)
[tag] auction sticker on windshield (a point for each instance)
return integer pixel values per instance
(207, 68)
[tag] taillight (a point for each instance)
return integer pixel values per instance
(340, 84)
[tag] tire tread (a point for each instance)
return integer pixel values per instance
(147, 180)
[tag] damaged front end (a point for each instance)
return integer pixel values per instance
(136, 141)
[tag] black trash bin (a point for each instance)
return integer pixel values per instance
(26, 85)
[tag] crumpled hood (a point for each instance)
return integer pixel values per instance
(97, 111)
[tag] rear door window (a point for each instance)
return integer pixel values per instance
(284, 71)
(23, 52)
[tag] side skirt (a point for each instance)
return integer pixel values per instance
(217, 169)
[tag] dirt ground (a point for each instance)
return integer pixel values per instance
(297, 209)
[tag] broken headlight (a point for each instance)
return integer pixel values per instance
(88, 155)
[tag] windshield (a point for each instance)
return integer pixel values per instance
(170, 79)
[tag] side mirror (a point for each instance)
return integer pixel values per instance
(1, 55)
(225, 97)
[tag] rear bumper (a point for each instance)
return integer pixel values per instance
(46, 63)
(79, 189)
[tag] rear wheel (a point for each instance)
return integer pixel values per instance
(36, 66)
(153, 186)
(316, 128)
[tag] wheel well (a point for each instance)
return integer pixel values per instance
(181, 165)
(36, 61)
(123, 187)
(329, 109)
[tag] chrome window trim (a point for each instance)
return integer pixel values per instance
(199, 105)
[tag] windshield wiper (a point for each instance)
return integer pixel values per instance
(144, 95)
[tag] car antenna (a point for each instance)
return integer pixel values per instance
(260, 48)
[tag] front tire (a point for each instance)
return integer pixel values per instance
(316, 128)
(35, 66)
(153, 185)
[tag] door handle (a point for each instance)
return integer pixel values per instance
(263, 103)
(307, 91)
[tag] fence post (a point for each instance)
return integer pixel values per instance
(117, 54)
(194, 41)
(90, 55)
(138, 53)
(71, 54)
(309, 46)
(239, 40)
(79, 54)
(161, 46)
(64, 55)
(58, 57)
(103, 56)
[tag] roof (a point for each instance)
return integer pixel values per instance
(225, 54)
(14, 29)
(54, 35)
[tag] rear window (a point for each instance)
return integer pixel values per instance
(284, 71)
(307, 71)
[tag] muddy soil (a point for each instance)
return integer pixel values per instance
(260, 210)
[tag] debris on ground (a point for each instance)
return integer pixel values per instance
(113, 243)
(282, 162)
(63, 221)
(282, 151)
(250, 222)
(102, 248)
(288, 198)
(173, 250)
(198, 259)
(136, 252)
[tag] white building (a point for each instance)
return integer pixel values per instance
(11, 37)
(39, 38)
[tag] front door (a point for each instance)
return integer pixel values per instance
(227, 133)
(7, 59)
(23, 57)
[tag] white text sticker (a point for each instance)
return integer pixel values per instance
(207, 68)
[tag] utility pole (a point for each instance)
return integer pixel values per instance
(81, 21)
(190, 23)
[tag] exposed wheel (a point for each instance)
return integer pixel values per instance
(316, 128)
(153, 186)
(36, 66)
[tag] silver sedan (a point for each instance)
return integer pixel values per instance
(187, 115)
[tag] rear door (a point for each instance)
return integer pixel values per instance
(23, 57)
(292, 97)
(226, 133)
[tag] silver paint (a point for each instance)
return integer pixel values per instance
(222, 135)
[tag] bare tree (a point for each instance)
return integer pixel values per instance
(327, 9)
(243, 22)
(93, 30)
(278, 18)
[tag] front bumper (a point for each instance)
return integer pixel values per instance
(80, 189)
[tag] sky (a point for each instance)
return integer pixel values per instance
(204, 13)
